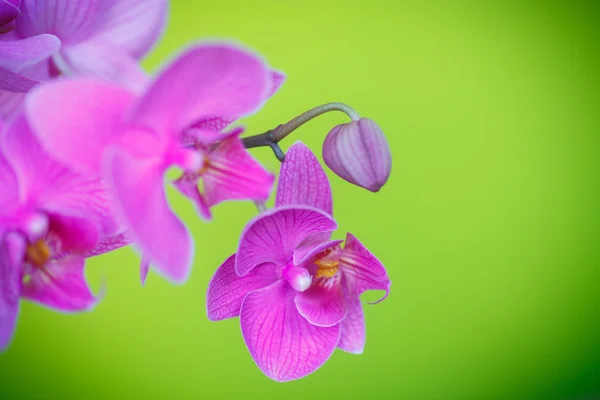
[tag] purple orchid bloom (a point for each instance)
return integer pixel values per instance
(102, 38)
(50, 219)
(296, 291)
(132, 140)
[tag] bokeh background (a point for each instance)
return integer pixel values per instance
(489, 225)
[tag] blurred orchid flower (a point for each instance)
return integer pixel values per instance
(51, 219)
(88, 37)
(132, 140)
(295, 290)
(359, 153)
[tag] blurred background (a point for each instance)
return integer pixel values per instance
(489, 225)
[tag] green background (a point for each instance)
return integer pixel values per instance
(489, 225)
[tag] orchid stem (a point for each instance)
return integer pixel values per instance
(272, 137)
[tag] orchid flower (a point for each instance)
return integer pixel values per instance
(102, 38)
(9, 11)
(133, 139)
(297, 292)
(51, 219)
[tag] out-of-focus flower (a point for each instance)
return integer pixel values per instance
(88, 37)
(359, 153)
(228, 172)
(9, 11)
(50, 219)
(133, 140)
(296, 291)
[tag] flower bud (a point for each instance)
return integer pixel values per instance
(9, 10)
(359, 153)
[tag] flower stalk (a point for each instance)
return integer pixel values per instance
(272, 137)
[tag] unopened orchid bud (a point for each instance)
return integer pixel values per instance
(9, 11)
(359, 153)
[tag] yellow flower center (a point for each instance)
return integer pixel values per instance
(327, 266)
(38, 253)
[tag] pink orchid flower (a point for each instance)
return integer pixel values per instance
(51, 219)
(296, 291)
(102, 38)
(133, 139)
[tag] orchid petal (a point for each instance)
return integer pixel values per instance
(206, 81)
(60, 285)
(353, 327)
(284, 345)
(51, 185)
(10, 191)
(72, 21)
(227, 290)
(216, 124)
(273, 235)
(11, 103)
(77, 119)
(106, 62)
(138, 184)
(12, 249)
(144, 269)
(17, 53)
(13, 82)
(187, 184)
(276, 80)
(303, 181)
(76, 235)
(311, 247)
(323, 303)
(362, 270)
(8, 12)
(233, 174)
(109, 244)
(133, 25)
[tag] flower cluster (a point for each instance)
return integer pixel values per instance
(85, 144)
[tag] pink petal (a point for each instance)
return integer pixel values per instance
(206, 81)
(76, 234)
(72, 21)
(362, 270)
(12, 249)
(18, 53)
(303, 181)
(52, 186)
(227, 290)
(213, 123)
(233, 174)
(10, 103)
(8, 12)
(77, 119)
(276, 80)
(161, 236)
(60, 285)
(104, 61)
(13, 82)
(311, 247)
(272, 236)
(144, 269)
(187, 184)
(323, 303)
(109, 244)
(284, 345)
(133, 25)
(353, 327)
(9, 194)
